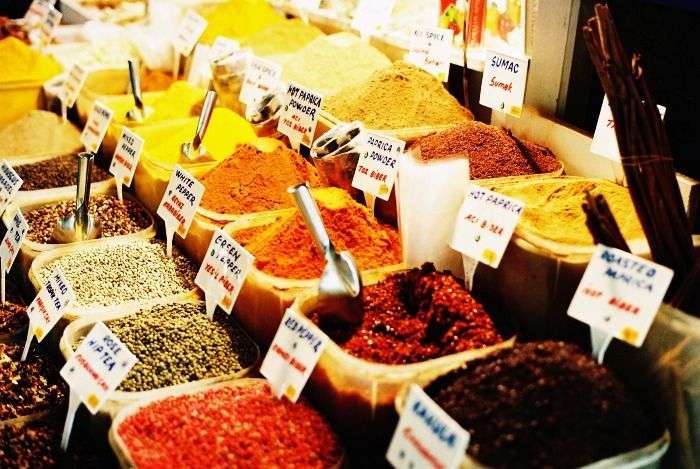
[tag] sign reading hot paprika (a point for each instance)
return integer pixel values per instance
(503, 84)
(299, 114)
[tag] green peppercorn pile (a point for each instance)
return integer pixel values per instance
(176, 343)
(136, 270)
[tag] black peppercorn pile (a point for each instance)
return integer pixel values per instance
(27, 387)
(542, 404)
(57, 172)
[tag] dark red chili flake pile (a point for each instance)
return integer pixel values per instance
(232, 426)
(542, 404)
(27, 387)
(414, 316)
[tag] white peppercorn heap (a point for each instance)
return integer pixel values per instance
(133, 270)
(176, 343)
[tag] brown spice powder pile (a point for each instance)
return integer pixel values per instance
(254, 181)
(492, 151)
(402, 96)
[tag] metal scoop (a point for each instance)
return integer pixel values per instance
(194, 149)
(80, 225)
(340, 286)
(141, 111)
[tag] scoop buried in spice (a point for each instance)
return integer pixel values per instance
(340, 285)
(141, 111)
(336, 154)
(194, 149)
(264, 109)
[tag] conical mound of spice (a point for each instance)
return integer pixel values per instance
(254, 181)
(287, 249)
(402, 96)
(38, 133)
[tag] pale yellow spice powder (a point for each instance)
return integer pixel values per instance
(281, 38)
(38, 133)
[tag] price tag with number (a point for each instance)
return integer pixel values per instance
(179, 204)
(223, 271)
(260, 78)
(377, 166)
(503, 84)
(10, 182)
(299, 114)
(431, 49)
(72, 85)
(96, 127)
(190, 30)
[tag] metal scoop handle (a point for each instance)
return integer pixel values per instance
(135, 85)
(312, 216)
(204, 118)
(82, 194)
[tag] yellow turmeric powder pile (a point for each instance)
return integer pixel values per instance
(255, 181)
(181, 100)
(553, 208)
(21, 62)
(238, 19)
(287, 249)
(281, 38)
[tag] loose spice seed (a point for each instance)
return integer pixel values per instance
(27, 387)
(137, 270)
(117, 218)
(56, 172)
(13, 318)
(412, 317)
(542, 404)
(35, 444)
(176, 343)
(233, 426)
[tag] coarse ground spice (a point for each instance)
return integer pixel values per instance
(28, 387)
(329, 63)
(13, 318)
(60, 171)
(553, 208)
(402, 96)
(21, 137)
(492, 151)
(231, 426)
(542, 404)
(254, 181)
(116, 218)
(414, 316)
(135, 270)
(176, 343)
(281, 38)
(34, 445)
(287, 249)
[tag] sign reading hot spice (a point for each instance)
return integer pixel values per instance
(426, 437)
(223, 272)
(300, 114)
(10, 182)
(485, 224)
(72, 85)
(179, 204)
(620, 294)
(377, 166)
(191, 29)
(260, 78)
(96, 127)
(126, 158)
(431, 49)
(294, 352)
(503, 84)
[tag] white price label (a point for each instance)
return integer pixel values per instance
(126, 156)
(10, 182)
(223, 46)
(294, 352)
(180, 201)
(604, 139)
(75, 79)
(97, 367)
(49, 25)
(485, 224)
(49, 304)
(620, 294)
(431, 49)
(426, 437)
(37, 12)
(96, 127)
(13, 239)
(299, 114)
(260, 78)
(190, 30)
(223, 270)
(503, 83)
(377, 166)
(371, 14)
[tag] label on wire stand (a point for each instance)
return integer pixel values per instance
(10, 183)
(96, 127)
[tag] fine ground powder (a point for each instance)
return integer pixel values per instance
(39, 132)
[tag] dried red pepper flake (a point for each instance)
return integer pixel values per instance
(241, 426)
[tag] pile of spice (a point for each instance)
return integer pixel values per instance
(492, 152)
(13, 318)
(176, 343)
(414, 316)
(117, 218)
(254, 181)
(553, 208)
(329, 63)
(28, 387)
(156, 80)
(403, 96)
(238, 19)
(134, 270)
(281, 38)
(542, 404)
(56, 172)
(287, 249)
(35, 444)
(22, 63)
(179, 101)
(19, 138)
(8, 28)
(243, 426)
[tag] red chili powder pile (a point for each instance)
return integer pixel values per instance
(414, 316)
(287, 250)
(233, 426)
